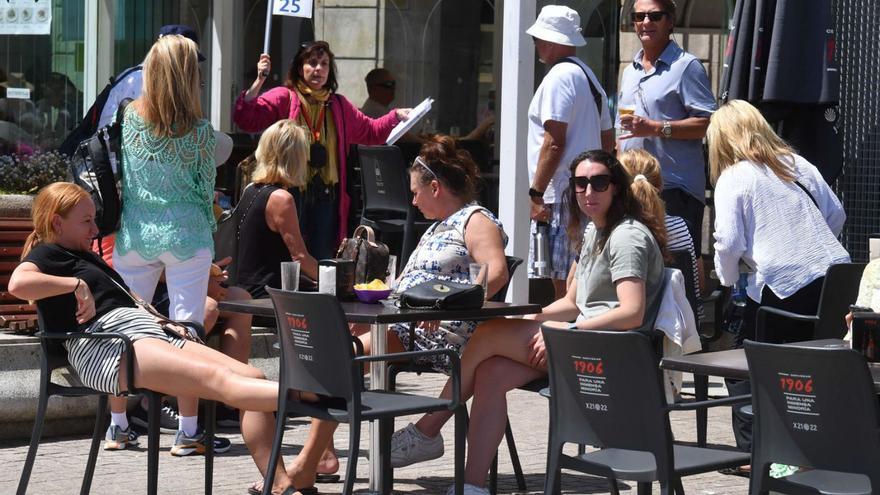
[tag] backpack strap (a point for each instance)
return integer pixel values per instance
(597, 97)
(120, 112)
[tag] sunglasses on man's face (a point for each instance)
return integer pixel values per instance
(653, 16)
(386, 84)
(600, 183)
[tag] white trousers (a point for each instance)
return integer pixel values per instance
(187, 280)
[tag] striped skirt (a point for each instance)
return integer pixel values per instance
(97, 360)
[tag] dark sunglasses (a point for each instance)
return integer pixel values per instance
(386, 84)
(600, 183)
(653, 16)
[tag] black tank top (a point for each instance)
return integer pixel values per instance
(260, 251)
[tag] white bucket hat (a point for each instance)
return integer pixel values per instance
(558, 24)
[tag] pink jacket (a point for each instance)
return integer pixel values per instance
(352, 127)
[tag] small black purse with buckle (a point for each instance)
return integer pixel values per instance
(441, 294)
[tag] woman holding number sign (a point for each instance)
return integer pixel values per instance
(308, 96)
(617, 286)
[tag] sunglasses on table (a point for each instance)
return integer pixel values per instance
(386, 84)
(653, 16)
(600, 183)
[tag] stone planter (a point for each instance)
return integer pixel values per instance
(16, 205)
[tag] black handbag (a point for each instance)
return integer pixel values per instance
(228, 233)
(441, 294)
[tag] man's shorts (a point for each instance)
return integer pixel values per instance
(561, 253)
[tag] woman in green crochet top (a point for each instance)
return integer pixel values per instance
(168, 182)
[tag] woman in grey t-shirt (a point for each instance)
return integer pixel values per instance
(617, 286)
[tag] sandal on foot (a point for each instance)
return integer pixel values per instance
(256, 488)
(326, 478)
(737, 471)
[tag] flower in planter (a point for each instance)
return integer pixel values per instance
(27, 173)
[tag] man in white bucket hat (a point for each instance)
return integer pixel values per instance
(567, 116)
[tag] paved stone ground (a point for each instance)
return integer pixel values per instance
(61, 461)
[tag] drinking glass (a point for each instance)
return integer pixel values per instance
(290, 275)
(391, 280)
(479, 274)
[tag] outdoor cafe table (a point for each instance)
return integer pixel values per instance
(733, 364)
(379, 316)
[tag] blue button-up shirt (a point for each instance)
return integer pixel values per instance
(675, 89)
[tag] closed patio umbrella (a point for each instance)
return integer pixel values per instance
(780, 56)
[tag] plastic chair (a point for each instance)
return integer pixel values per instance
(607, 392)
(396, 368)
(385, 191)
(317, 356)
(53, 356)
(814, 408)
(839, 290)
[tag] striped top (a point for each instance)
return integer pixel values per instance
(678, 238)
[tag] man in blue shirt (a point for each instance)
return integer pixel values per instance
(669, 91)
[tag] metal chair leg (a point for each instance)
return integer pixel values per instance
(210, 426)
(280, 421)
(514, 458)
(100, 426)
(36, 433)
(643, 489)
(701, 393)
(461, 426)
(154, 406)
(354, 445)
(493, 476)
(613, 486)
(552, 480)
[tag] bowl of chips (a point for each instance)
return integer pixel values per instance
(372, 292)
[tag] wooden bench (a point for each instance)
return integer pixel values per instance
(15, 315)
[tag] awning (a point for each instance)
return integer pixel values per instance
(780, 57)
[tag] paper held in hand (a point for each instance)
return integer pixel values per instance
(415, 115)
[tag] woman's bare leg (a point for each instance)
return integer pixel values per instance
(508, 338)
(117, 404)
(199, 371)
(305, 465)
(235, 341)
(493, 379)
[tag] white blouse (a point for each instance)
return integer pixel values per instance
(774, 227)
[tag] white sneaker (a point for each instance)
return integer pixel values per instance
(409, 446)
(469, 489)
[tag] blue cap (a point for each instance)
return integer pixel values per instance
(183, 30)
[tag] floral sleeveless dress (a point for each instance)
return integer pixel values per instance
(441, 255)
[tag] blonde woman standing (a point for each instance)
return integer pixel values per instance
(775, 218)
(167, 193)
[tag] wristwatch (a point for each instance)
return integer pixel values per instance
(666, 130)
(534, 193)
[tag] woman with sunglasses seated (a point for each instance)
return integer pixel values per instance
(617, 286)
(309, 98)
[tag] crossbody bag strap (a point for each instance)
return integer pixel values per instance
(597, 97)
(809, 195)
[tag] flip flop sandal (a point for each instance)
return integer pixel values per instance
(736, 471)
(326, 478)
(256, 488)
